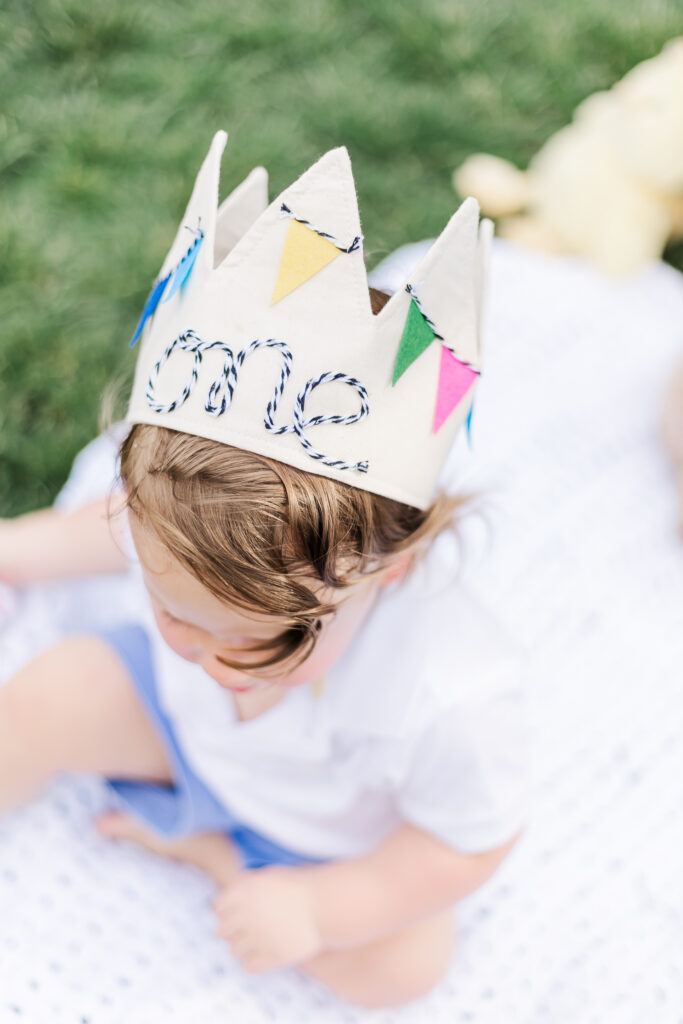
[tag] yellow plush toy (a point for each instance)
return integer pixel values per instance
(609, 186)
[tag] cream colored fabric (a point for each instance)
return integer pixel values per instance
(327, 325)
(239, 210)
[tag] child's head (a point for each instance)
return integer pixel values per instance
(256, 567)
(270, 565)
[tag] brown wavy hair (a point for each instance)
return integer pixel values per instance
(260, 534)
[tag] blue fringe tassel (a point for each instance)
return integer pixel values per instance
(180, 274)
(150, 306)
(190, 259)
(184, 268)
(468, 423)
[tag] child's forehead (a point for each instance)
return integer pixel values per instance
(185, 597)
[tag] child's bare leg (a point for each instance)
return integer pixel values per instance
(74, 708)
(388, 972)
(213, 852)
(391, 971)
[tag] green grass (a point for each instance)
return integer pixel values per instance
(108, 106)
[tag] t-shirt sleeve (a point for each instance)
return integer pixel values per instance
(467, 780)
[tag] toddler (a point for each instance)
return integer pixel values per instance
(303, 702)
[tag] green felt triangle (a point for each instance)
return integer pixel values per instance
(417, 336)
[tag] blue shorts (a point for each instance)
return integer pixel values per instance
(188, 806)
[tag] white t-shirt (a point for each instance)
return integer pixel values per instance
(422, 720)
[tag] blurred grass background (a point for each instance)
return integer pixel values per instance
(107, 108)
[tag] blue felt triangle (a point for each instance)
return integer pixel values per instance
(150, 306)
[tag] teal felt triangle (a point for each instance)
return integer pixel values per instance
(417, 336)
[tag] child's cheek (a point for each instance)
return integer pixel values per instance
(332, 644)
(315, 667)
(173, 637)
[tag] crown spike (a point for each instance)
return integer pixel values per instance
(239, 210)
(444, 284)
(200, 213)
(323, 198)
(481, 281)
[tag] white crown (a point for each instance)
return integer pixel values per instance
(259, 333)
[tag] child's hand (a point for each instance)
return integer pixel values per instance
(8, 552)
(8, 603)
(267, 917)
(23, 546)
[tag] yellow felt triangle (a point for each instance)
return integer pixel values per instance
(304, 254)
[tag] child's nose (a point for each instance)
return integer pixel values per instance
(221, 673)
(193, 654)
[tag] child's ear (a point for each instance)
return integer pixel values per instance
(398, 569)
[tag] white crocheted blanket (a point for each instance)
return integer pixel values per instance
(584, 922)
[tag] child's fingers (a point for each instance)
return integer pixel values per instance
(249, 956)
(220, 904)
(241, 942)
(229, 901)
(256, 964)
(233, 929)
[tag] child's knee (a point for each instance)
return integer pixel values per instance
(39, 700)
(76, 705)
(392, 971)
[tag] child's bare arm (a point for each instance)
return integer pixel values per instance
(318, 916)
(50, 544)
(408, 877)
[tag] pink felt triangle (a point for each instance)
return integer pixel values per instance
(455, 380)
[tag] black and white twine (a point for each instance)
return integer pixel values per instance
(355, 244)
(411, 291)
(413, 294)
(300, 423)
(224, 386)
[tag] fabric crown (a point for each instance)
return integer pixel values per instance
(258, 333)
